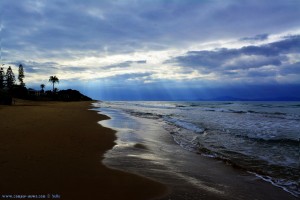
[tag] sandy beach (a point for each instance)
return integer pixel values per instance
(54, 150)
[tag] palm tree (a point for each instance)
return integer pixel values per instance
(42, 86)
(54, 80)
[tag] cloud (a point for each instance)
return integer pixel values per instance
(259, 37)
(291, 69)
(152, 42)
(261, 73)
(244, 58)
(124, 64)
(129, 76)
(127, 26)
(36, 67)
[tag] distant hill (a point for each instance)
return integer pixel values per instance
(71, 95)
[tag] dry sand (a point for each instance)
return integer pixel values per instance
(50, 148)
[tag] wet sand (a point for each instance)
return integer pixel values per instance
(49, 148)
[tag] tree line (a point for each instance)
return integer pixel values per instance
(9, 89)
(7, 80)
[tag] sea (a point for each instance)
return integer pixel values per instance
(260, 138)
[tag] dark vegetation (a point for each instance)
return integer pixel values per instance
(9, 89)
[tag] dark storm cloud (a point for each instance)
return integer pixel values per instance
(240, 59)
(125, 26)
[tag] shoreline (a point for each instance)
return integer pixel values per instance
(54, 148)
(144, 142)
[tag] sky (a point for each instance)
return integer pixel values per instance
(156, 49)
